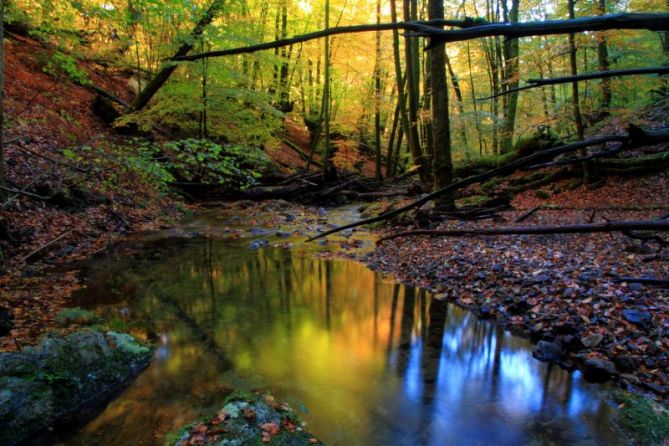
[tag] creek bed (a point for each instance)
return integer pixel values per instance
(368, 361)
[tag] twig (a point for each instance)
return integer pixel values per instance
(528, 213)
(46, 245)
(21, 192)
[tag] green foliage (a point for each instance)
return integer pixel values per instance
(64, 65)
(196, 160)
(145, 160)
(199, 160)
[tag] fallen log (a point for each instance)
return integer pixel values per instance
(471, 29)
(412, 25)
(534, 83)
(635, 138)
(583, 228)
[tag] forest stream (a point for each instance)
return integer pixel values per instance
(367, 361)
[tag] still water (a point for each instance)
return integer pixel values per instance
(370, 362)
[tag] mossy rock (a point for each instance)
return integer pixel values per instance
(246, 419)
(645, 421)
(63, 380)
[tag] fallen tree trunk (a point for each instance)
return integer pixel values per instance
(215, 192)
(413, 25)
(471, 29)
(653, 22)
(534, 83)
(609, 226)
(166, 71)
(635, 138)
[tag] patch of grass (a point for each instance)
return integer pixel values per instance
(644, 420)
(77, 316)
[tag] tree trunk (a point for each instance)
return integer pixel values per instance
(412, 87)
(578, 118)
(326, 99)
(284, 94)
(603, 59)
(441, 150)
(460, 102)
(511, 79)
(473, 90)
(401, 80)
(377, 96)
(166, 71)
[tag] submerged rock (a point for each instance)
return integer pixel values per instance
(247, 419)
(547, 351)
(260, 243)
(62, 379)
(598, 370)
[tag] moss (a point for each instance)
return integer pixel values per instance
(127, 344)
(542, 194)
(474, 200)
(77, 316)
(642, 419)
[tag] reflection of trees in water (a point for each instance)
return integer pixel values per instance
(406, 329)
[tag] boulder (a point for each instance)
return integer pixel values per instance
(246, 419)
(62, 379)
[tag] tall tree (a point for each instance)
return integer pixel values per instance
(511, 76)
(576, 105)
(411, 64)
(377, 95)
(603, 59)
(166, 71)
(326, 98)
(442, 170)
(401, 96)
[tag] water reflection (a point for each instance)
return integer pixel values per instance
(375, 363)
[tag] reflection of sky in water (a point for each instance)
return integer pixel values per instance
(375, 363)
(413, 382)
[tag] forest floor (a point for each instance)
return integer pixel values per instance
(559, 288)
(41, 240)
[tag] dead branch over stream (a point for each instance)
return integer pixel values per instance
(635, 138)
